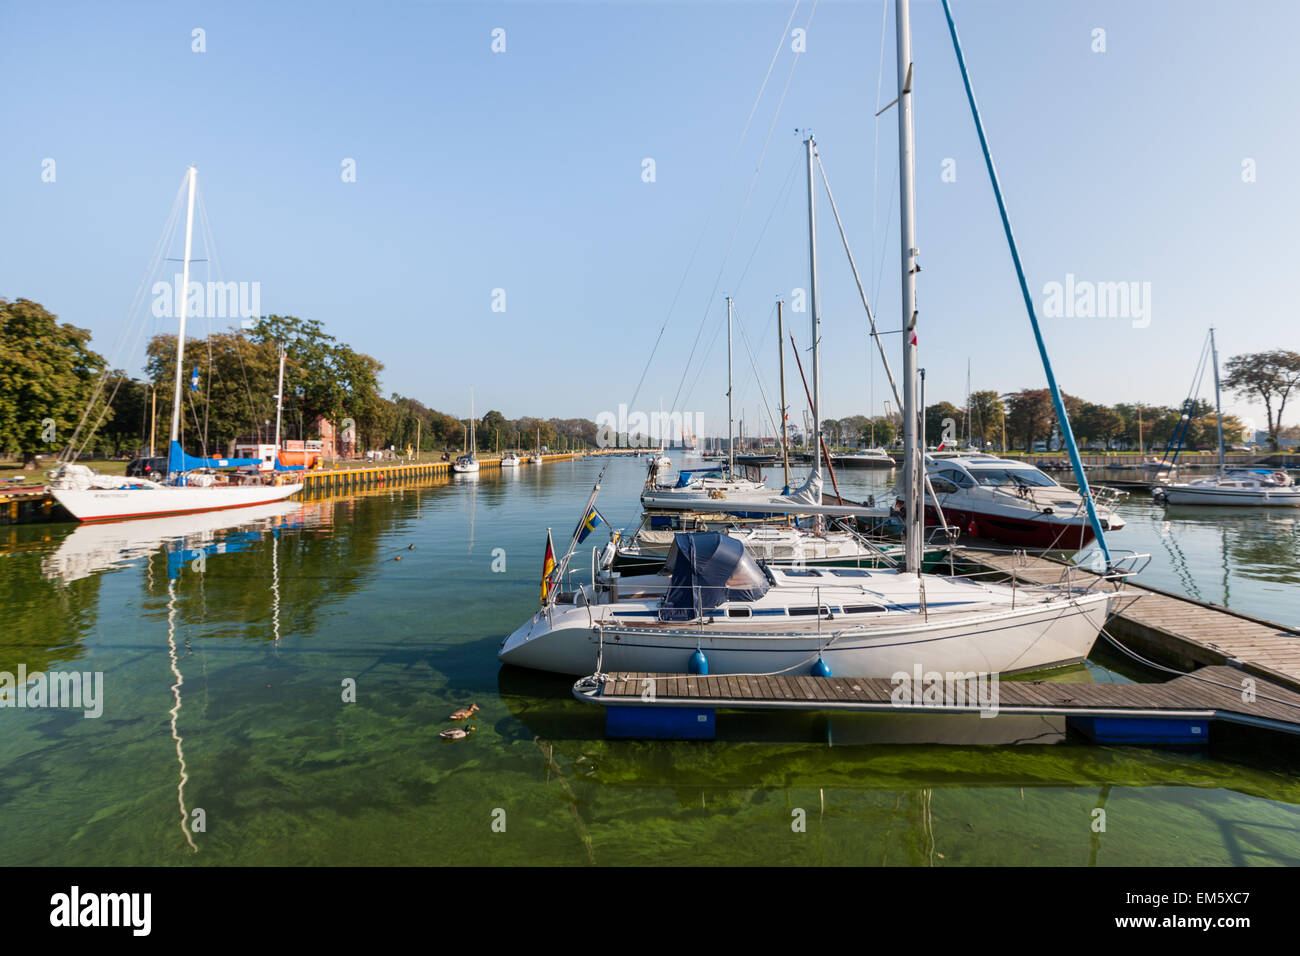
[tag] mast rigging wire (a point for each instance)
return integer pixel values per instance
(780, 43)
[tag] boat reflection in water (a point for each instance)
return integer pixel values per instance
(92, 548)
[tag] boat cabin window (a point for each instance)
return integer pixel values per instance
(739, 612)
(864, 608)
(800, 573)
(942, 486)
(958, 478)
(824, 611)
(1000, 477)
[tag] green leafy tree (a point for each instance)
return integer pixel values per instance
(986, 412)
(1029, 416)
(943, 421)
(1267, 376)
(48, 376)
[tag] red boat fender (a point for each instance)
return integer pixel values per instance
(973, 529)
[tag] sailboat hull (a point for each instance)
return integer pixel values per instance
(120, 504)
(1033, 638)
(1245, 497)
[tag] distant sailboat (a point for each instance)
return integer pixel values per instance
(1253, 487)
(467, 464)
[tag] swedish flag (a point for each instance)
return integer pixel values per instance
(590, 523)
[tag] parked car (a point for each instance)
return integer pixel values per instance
(147, 468)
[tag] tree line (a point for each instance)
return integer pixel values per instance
(57, 393)
(1022, 419)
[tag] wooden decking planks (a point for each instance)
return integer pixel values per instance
(1168, 627)
(1225, 692)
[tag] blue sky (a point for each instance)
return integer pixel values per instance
(522, 171)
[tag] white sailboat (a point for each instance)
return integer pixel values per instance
(467, 464)
(536, 457)
(1251, 487)
(721, 488)
(721, 609)
(192, 484)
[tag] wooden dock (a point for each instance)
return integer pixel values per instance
(1243, 670)
(1167, 628)
(1177, 711)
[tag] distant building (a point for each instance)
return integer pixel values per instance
(334, 443)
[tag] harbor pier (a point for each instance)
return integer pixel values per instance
(1240, 670)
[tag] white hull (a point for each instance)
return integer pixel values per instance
(1274, 498)
(468, 468)
(115, 504)
(1003, 642)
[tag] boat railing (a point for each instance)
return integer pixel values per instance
(1072, 578)
(1103, 496)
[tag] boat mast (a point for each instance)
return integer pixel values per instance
(913, 462)
(780, 351)
(473, 445)
(816, 317)
(185, 298)
(1218, 402)
(731, 429)
(970, 434)
(279, 403)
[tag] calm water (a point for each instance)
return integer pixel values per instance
(264, 620)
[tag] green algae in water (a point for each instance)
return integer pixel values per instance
(285, 772)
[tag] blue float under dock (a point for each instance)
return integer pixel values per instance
(1179, 712)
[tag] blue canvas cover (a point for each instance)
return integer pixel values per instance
(684, 478)
(178, 460)
(709, 569)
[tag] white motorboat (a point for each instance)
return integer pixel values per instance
(509, 460)
(1234, 488)
(748, 619)
(193, 484)
(1011, 501)
(866, 458)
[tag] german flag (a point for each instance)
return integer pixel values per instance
(548, 568)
